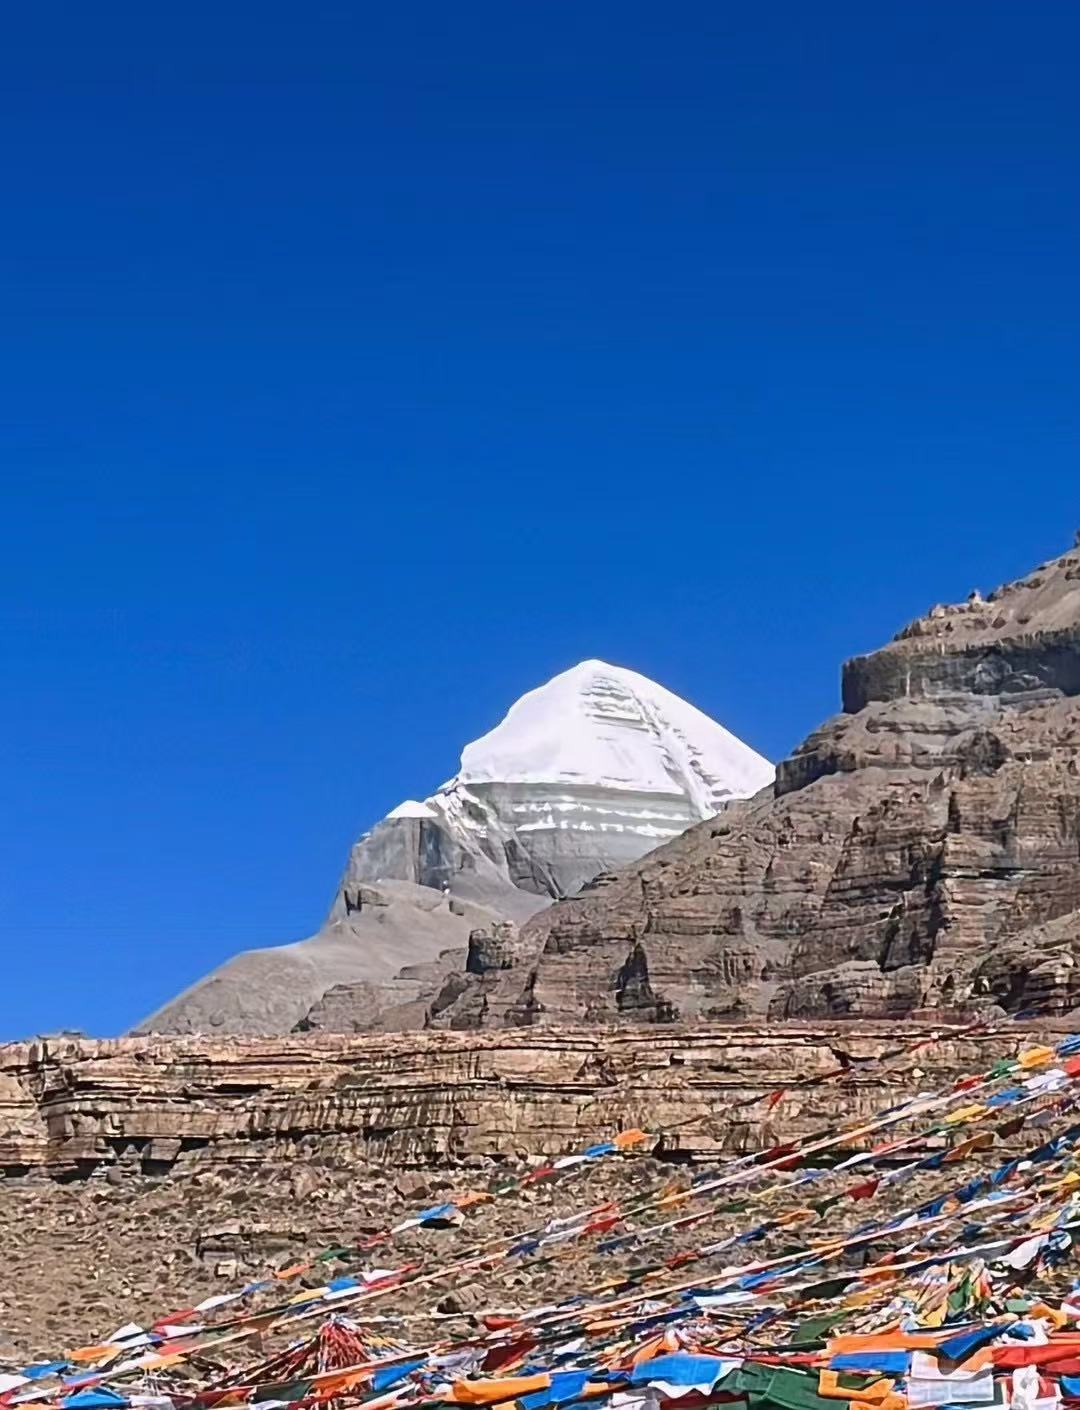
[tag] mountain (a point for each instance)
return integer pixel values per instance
(583, 775)
(919, 852)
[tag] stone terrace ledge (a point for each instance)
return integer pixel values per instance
(73, 1108)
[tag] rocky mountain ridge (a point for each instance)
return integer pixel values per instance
(920, 852)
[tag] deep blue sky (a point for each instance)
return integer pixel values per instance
(364, 365)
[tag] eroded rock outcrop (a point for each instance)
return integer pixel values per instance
(920, 851)
(78, 1108)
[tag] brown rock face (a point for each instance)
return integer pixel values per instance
(122, 1108)
(919, 851)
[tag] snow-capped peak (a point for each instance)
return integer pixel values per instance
(603, 726)
(584, 775)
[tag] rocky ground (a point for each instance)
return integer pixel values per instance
(82, 1259)
(144, 1175)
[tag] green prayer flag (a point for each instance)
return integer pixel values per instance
(814, 1329)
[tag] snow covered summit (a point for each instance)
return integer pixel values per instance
(585, 774)
(608, 727)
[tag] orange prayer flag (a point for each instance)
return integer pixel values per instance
(877, 1391)
(629, 1138)
(492, 1392)
(336, 1383)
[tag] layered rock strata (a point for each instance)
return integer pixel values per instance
(74, 1108)
(919, 852)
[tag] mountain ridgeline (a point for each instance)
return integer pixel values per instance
(584, 775)
(918, 854)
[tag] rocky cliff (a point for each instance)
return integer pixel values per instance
(920, 851)
(77, 1108)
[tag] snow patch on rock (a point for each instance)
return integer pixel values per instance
(412, 809)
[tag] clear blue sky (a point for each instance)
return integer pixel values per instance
(364, 365)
